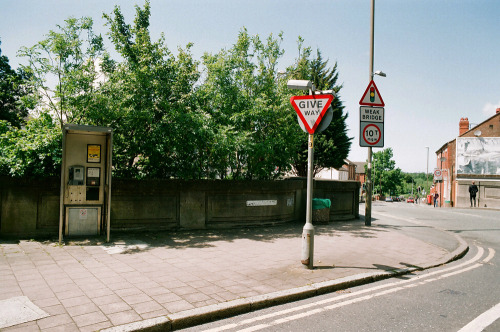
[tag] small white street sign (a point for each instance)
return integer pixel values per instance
(371, 114)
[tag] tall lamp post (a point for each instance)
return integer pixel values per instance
(427, 171)
(368, 205)
(308, 230)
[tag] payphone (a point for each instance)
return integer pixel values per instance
(85, 180)
(76, 175)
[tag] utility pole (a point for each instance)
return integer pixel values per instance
(307, 257)
(427, 172)
(368, 205)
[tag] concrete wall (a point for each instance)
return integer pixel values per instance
(31, 208)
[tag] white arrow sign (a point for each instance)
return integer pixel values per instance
(311, 109)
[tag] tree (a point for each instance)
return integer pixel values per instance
(332, 145)
(387, 179)
(149, 100)
(233, 120)
(62, 69)
(253, 134)
(31, 151)
(417, 180)
(59, 79)
(14, 93)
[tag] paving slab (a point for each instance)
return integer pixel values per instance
(19, 310)
(146, 280)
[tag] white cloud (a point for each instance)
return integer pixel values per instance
(489, 109)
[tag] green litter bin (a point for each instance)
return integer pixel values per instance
(321, 211)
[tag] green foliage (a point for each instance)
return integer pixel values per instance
(415, 180)
(32, 151)
(387, 179)
(149, 100)
(232, 119)
(332, 145)
(69, 60)
(253, 133)
(14, 93)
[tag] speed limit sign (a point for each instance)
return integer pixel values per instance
(438, 174)
(371, 134)
(371, 126)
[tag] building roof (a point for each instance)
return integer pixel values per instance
(445, 145)
(476, 126)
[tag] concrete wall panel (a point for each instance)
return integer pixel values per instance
(31, 208)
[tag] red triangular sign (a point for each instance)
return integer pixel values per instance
(311, 109)
(372, 97)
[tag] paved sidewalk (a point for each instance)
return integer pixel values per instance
(175, 279)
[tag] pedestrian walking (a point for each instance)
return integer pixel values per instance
(472, 192)
(436, 196)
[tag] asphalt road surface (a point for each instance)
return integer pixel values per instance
(460, 296)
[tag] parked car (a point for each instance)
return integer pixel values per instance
(410, 200)
(389, 199)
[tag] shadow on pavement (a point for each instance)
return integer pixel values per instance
(132, 242)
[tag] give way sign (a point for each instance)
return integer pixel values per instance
(311, 109)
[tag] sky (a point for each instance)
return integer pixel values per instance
(441, 57)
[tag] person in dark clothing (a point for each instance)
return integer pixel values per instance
(472, 192)
(436, 196)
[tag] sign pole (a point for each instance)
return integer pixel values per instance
(310, 109)
(368, 204)
(308, 231)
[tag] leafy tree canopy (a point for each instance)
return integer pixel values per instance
(14, 93)
(69, 60)
(332, 145)
(253, 133)
(226, 116)
(32, 151)
(387, 179)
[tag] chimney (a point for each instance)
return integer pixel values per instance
(498, 110)
(463, 126)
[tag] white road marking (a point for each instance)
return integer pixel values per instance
(255, 328)
(393, 287)
(482, 321)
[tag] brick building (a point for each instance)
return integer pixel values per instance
(473, 156)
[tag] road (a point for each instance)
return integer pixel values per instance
(460, 296)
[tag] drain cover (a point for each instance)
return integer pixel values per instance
(18, 310)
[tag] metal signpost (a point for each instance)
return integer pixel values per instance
(371, 98)
(310, 110)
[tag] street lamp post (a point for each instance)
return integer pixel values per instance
(427, 171)
(308, 230)
(369, 187)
